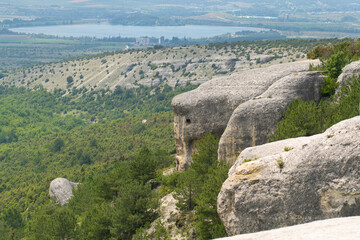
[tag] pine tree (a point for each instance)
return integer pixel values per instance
(208, 223)
(143, 167)
(133, 209)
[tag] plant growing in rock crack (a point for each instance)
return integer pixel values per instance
(286, 149)
(248, 160)
(329, 135)
(280, 163)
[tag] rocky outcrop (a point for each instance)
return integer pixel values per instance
(130, 67)
(168, 215)
(61, 189)
(227, 66)
(178, 225)
(191, 67)
(330, 229)
(353, 69)
(300, 180)
(208, 108)
(254, 121)
(149, 82)
(266, 58)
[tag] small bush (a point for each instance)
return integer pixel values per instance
(70, 79)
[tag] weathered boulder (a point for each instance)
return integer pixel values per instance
(330, 229)
(318, 179)
(61, 189)
(208, 108)
(178, 64)
(266, 58)
(253, 122)
(191, 67)
(350, 70)
(226, 66)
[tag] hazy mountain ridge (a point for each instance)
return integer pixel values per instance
(330, 4)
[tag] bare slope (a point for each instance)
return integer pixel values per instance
(150, 67)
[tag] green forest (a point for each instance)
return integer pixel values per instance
(113, 143)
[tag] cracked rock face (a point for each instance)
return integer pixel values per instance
(253, 122)
(208, 108)
(61, 189)
(294, 181)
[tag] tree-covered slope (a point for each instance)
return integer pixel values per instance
(45, 135)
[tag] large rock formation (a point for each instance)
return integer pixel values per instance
(61, 189)
(209, 108)
(353, 69)
(294, 181)
(330, 229)
(254, 121)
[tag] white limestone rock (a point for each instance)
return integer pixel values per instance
(62, 190)
(208, 108)
(254, 121)
(318, 179)
(330, 229)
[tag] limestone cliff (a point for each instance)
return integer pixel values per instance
(294, 181)
(208, 108)
(254, 121)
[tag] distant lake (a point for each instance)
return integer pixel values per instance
(106, 30)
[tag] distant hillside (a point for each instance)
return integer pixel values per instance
(307, 4)
(152, 67)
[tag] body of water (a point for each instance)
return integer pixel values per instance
(106, 30)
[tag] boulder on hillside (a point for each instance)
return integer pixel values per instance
(253, 122)
(266, 58)
(208, 108)
(330, 229)
(318, 179)
(62, 190)
(227, 66)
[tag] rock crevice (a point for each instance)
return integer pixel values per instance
(254, 121)
(208, 108)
